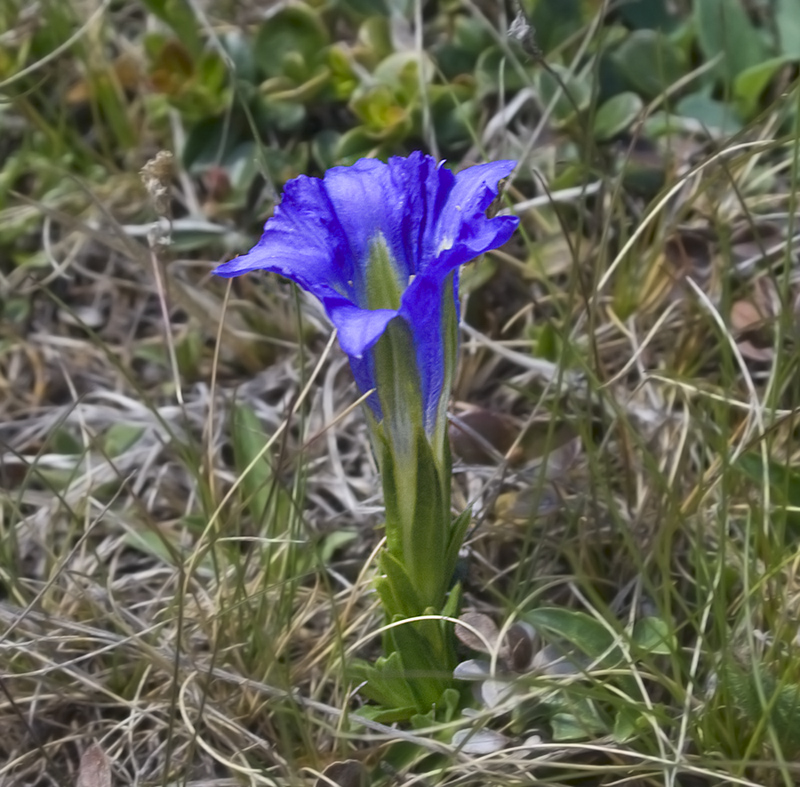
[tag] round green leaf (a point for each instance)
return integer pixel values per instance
(724, 30)
(294, 31)
(650, 62)
(493, 69)
(401, 71)
(714, 115)
(787, 23)
(616, 114)
(571, 93)
(751, 83)
(354, 144)
(653, 635)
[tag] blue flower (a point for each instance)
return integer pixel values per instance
(378, 241)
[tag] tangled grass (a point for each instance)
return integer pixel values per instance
(188, 501)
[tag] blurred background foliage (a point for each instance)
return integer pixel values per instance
(307, 85)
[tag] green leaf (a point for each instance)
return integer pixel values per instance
(781, 702)
(239, 165)
(784, 483)
(15, 310)
(120, 437)
(751, 83)
(386, 684)
(650, 62)
(208, 142)
(626, 724)
(324, 146)
(365, 7)
(616, 114)
(555, 21)
(453, 123)
(787, 23)
(411, 678)
(178, 14)
(493, 69)
(573, 93)
(280, 115)
(262, 495)
(724, 30)
(385, 713)
(581, 722)
(579, 629)
(358, 142)
(380, 110)
(238, 48)
(375, 35)
(654, 636)
(333, 542)
(189, 354)
(648, 14)
(458, 530)
(343, 79)
(422, 649)
(62, 441)
(397, 593)
(662, 123)
(459, 54)
(151, 543)
(713, 115)
(401, 72)
(296, 30)
(445, 709)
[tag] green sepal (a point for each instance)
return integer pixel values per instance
(399, 389)
(417, 521)
(439, 439)
(426, 538)
(384, 285)
(394, 528)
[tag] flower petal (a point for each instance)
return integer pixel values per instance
(463, 230)
(423, 309)
(302, 241)
(358, 328)
(368, 201)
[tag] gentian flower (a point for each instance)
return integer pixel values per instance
(380, 244)
(378, 241)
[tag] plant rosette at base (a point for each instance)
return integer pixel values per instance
(380, 244)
